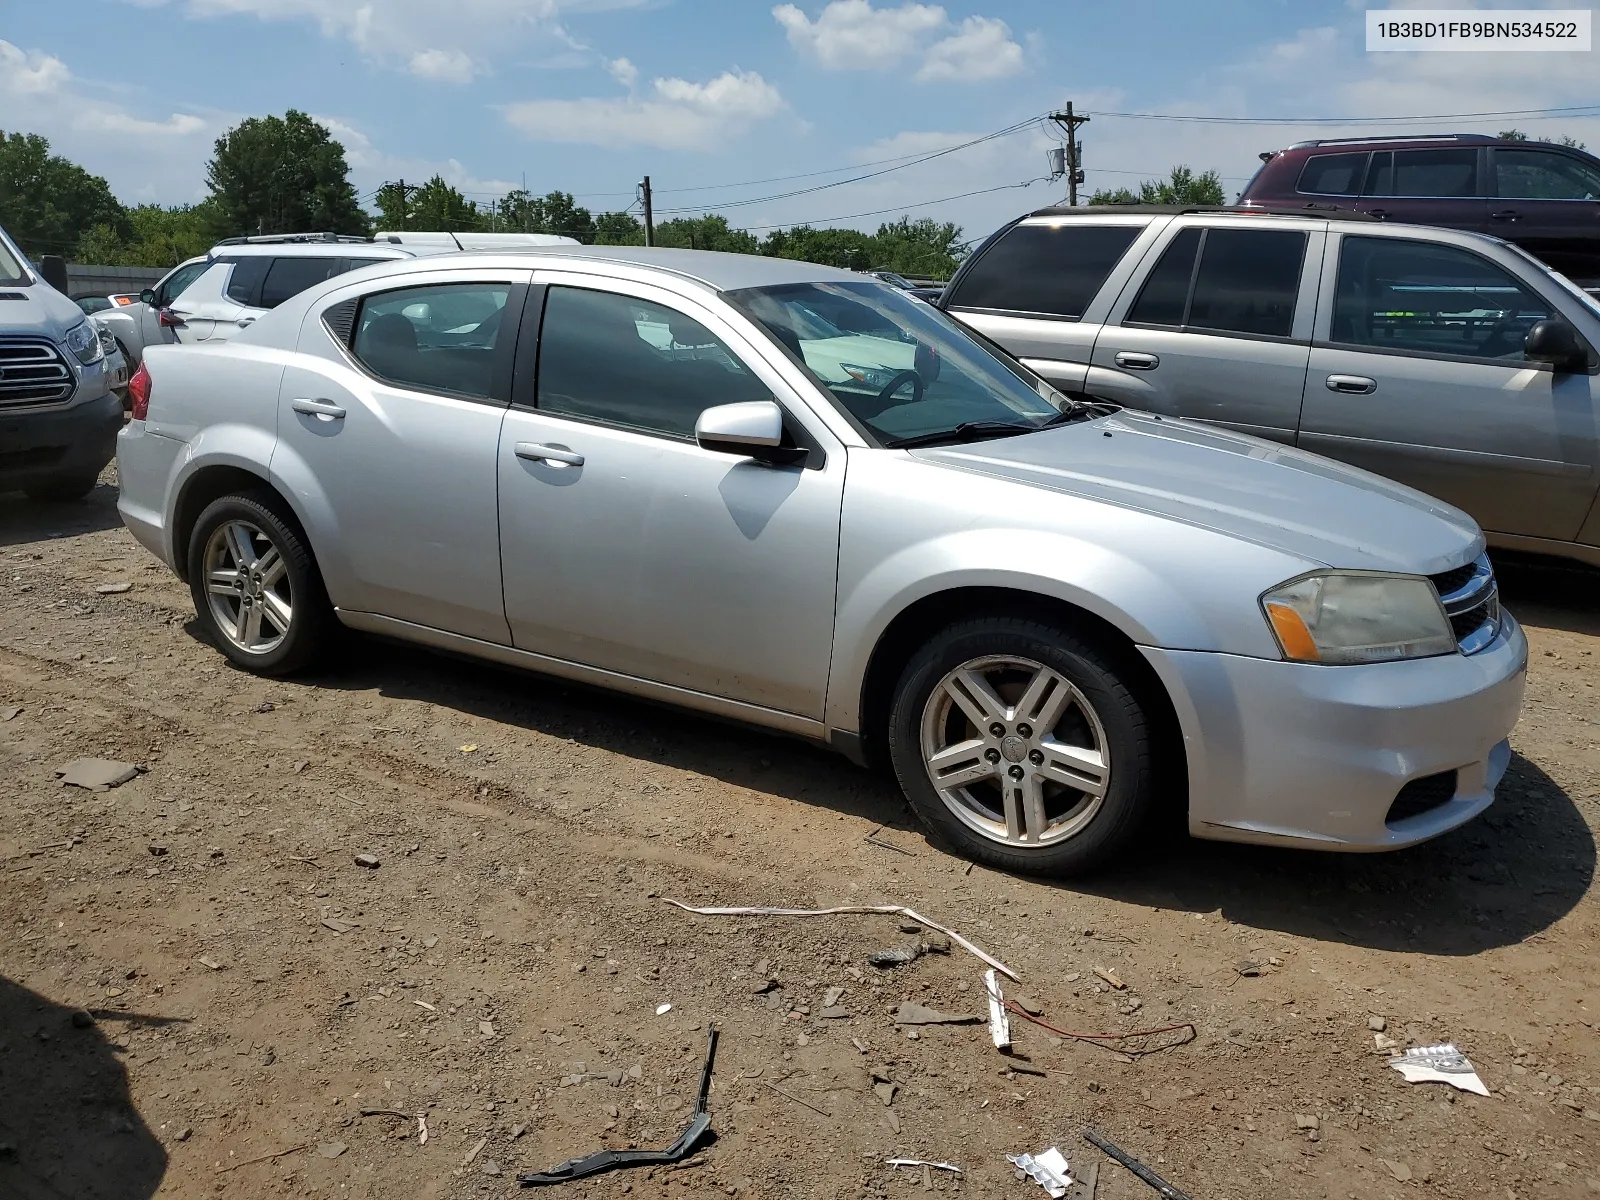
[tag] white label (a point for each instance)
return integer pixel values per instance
(1533, 29)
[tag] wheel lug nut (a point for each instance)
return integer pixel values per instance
(1024, 730)
(1015, 772)
(997, 729)
(1035, 757)
(992, 755)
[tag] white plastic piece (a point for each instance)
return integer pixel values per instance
(999, 1022)
(1439, 1064)
(663, 1009)
(921, 1162)
(1048, 1169)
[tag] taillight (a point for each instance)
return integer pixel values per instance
(169, 319)
(139, 393)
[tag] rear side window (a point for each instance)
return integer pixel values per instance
(244, 281)
(1540, 175)
(1246, 282)
(291, 276)
(1333, 174)
(1050, 269)
(1430, 173)
(439, 338)
(1395, 294)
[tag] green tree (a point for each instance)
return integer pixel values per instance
(438, 206)
(49, 203)
(710, 232)
(1516, 135)
(283, 175)
(920, 247)
(1183, 186)
(618, 229)
(848, 248)
(521, 212)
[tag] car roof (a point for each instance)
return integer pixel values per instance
(307, 250)
(1305, 212)
(724, 272)
(1426, 141)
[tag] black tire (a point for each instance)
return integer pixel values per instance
(74, 486)
(312, 623)
(1129, 795)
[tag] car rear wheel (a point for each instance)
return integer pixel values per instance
(256, 586)
(1023, 746)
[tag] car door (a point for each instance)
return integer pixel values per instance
(1043, 287)
(1417, 373)
(151, 331)
(211, 307)
(388, 424)
(1441, 186)
(1549, 204)
(626, 546)
(1219, 329)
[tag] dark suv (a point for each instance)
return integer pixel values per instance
(1543, 197)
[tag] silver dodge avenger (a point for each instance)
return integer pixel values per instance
(794, 497)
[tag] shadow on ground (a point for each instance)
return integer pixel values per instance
(68, 1128)
(1549, 593)
(23, 520)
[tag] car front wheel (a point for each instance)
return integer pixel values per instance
(256, 586)
(1022, 745)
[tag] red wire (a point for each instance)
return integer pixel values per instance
(1013, 1006)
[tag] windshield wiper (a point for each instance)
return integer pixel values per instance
(978, 431)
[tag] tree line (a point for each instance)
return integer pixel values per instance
(289, 174)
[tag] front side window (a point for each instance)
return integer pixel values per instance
(1429, 173)
(634, 363)
(1395, 294)
(1051, 269)
(290, 276)
(173, 286)
(436, 338)
(11, 271)
(1332, 174)
(901, 369)
(1247, 282)
(1541, 175)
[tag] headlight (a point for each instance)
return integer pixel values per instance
(84, 341)
(1340, 618)
(877, 377)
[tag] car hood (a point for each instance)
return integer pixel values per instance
(42, 312)
(1273, 495)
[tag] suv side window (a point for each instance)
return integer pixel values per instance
(623, 361)
(1246, 281)
(244, 281)
(1050, 269)
(1541, 175)
(436, 338)
(1395, 294)
(1332, 174)
(288, 277)
(1430, 173)
(172, 287)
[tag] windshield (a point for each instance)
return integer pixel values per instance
(11, 271)
(1585, 298)
(900, 368)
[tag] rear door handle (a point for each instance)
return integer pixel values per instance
(1353, 385)
(534, 452)
(1380, 213)
(325, 409)
(1135, 360)
(1505, 214)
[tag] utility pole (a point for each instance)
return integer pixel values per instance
(1070, 123)
(402, 204)
(649, 216)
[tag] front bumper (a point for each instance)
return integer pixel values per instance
(1313, 756)
(39, 446)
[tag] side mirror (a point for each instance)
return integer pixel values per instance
(1554, 341)
(753, 429)
(148, 296)
(53, 268)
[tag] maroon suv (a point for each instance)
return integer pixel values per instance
(1543, 197)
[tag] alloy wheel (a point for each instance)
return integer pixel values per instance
(1015, 751)
(247, 585)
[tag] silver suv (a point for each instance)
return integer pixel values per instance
(783, 494)
(1450, 361)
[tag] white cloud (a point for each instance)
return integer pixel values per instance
(624, 72)
(982, 49)
(852, 35)
(446, 66)
(679, 115)
(30, 73)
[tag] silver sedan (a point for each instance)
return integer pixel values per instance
(784, 494)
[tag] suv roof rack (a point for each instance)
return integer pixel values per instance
(1320, 211)
(1474, 138)
(290, 238)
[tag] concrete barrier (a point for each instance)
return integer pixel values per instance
(83, 280)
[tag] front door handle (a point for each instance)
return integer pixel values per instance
(534, 452)
(1505, 214)
(1380, 213)
(1352, 385)
(324, 410)
(1135, 360)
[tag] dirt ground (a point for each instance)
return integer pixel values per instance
(202, 993)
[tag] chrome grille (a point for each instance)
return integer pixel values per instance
(1471, 600)
(33, 374)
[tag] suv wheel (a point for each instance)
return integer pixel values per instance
(1020, 744)
(256, 587)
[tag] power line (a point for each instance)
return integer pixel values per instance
(899, 207)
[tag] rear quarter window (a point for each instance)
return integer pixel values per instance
(244, 281)
(1332, 174)
(1054, 270)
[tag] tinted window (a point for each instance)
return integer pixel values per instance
(439, 338)
(291, 276)
(1540, 175)
(1055, 269)
(93, 304)
(244, 281)
(1165, 295)
(177, 281)
(1424, 173)
(1402, 295)
(634, 363)
(1247, 281)
(1333, 174)
(353, 264)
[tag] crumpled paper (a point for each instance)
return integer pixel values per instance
(1048, 1169)
(1439, 1064)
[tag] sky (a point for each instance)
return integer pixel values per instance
(765, 113)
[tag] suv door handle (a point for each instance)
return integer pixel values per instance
(1380, 213)
(534, 452)
(1505, 214)
(1353, 385)
(1135, 360)
(324, 409)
